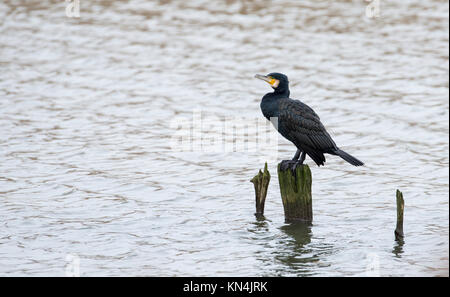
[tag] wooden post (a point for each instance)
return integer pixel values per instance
(400, 208)
(295, 188)
(261, 183)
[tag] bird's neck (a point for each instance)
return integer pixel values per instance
(282, 92)
(269, 105)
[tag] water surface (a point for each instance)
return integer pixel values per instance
(88, 106)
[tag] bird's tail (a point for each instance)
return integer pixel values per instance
(349, 158)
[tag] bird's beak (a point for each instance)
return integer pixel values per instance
(263, 77)
(270, 80)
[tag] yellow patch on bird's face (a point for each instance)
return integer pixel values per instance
(274, 82)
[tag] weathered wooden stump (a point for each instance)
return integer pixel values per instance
(400, 208)
(261, 183)
(295, 188)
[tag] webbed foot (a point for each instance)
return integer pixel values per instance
(290, 164)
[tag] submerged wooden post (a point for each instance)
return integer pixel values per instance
(295, 188)
(400, 208)
(261, 183)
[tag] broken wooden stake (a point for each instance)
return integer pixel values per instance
(400, 208)
(295, 188)
(261, 183)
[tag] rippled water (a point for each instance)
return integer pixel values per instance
(88, 106)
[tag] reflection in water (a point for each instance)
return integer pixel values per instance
(398, 248)
(261, 224)
(295, 253)
(300, 233)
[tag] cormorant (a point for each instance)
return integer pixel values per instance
(300, 124)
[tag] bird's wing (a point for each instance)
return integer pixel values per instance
(303, 126)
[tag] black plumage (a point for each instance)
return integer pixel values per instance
(298, 123)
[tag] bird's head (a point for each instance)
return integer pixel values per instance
(278, 81)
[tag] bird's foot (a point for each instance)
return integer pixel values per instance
(290, 164)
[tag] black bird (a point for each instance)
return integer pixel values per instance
(298, 123)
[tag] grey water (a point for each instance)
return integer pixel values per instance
(90, 105)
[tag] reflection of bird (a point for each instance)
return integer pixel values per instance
(299, 123)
